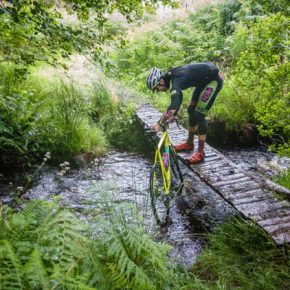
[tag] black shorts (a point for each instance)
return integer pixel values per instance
(204, 97)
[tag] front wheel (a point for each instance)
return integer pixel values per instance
(176, 176)
(159, 200)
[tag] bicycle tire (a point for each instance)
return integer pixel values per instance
(176, 175)
(159, 200)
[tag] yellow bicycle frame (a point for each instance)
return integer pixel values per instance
(164, 140)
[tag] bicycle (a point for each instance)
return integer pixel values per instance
(166, 180)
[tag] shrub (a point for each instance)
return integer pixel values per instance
(69, 128)
(21, 105)
(261, 73)
(38, 116)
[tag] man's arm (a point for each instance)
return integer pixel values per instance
(176, 100)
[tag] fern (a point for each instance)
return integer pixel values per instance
(64, 235)
(45, 247)
(35, 271)
(10, 268)
(129, 254)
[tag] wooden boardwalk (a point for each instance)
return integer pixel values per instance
(232, 183)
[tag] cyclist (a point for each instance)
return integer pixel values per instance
(207, 80)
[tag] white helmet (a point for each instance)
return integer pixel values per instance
(154, 78)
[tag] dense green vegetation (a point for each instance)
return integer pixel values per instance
(240, 256)
(46, 247)
(247, 39)
(45, 30)
(39, 116)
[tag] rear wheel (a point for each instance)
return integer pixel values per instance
(159, 200)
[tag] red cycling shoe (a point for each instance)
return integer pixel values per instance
(198, 156)
(183, 147)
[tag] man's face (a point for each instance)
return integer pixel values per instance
(161, 87)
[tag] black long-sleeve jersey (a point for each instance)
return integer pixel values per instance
(186, 76)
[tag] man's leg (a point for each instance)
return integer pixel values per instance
(192, 122)
(190, 138)
(205, 102)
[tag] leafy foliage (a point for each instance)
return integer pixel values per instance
(37, 117)
(20, 105)
(69, 128)
(115, 115)
(262, 74)
(34, 30)
(284, 179)
(44, 246)
(131, 259)
(49, 248)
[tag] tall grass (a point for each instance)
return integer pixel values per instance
(69, 126)
(115, 114)
(239, 255)
(38, 115)
(284, 179)
(22, 102)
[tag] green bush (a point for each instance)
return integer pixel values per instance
(232, 106)
(69, 129)
(38, 116)
(261, 74)
(21, 105)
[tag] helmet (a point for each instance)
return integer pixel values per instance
(154, 78)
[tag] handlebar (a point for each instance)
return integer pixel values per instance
(166, 124)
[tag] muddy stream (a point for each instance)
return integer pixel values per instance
(122, 176)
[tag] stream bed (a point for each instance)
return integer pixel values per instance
(123, 176)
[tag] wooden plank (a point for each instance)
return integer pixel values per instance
(207, 165)
(274, 206)
(282, 212)
(277, 229)
(249, 200)
(213, 157)
(224, 171)
(245, 194)
(253, 208)
(240, 177)
(274, 221)
(238, 187)
(282, 238)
